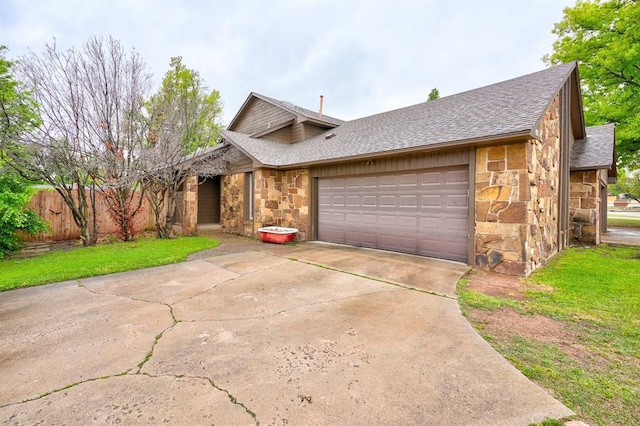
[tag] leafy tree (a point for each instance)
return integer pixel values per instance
(15, 194)
(604, 37)
(184, 122)
(434, 94)
(16, 116)
(17, 107)
(91, 132)
(629, 185)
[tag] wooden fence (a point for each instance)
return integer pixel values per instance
(51, 207)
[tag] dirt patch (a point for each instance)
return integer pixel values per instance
(496, 285)
(506, 323)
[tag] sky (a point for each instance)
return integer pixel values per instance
(364, 56)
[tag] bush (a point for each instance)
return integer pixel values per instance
(15, 193)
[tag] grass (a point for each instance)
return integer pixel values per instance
(85, 262)
(594, 293)
(623, 222)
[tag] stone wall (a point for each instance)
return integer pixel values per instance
(232, 217)
(517, 201)
(190, 208)
(282, 199)
(584, 207)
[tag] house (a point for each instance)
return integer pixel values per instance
(502, 177)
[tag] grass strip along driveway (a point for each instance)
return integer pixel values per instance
(574, 328)
(85, 262)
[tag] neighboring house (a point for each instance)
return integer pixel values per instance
(500, 177)
(593, 167)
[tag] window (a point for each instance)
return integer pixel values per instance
(248, 196)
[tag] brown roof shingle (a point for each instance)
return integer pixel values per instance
(511, 107)
(596, 151)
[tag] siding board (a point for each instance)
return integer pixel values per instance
(280, 135)
(258, 115)
(311, 130)
(425, 160)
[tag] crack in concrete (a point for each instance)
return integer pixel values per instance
(213, 287)
(72, 385)
(239, 275)
(355, 274)
(175, 321)
(235, 401)
(153, 347)
(137, 299)
(266, 316)
(231, 397)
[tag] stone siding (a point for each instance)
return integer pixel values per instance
(232, 218)
(282, 199)
(517, 201)
(190, 208)
(584, 207)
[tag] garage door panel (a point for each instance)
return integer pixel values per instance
(408, 180)
(369, 201)
(362, 239)
(353, 201)
(457, 200)
(352, 219)
(430, 200)
(369, 182)
(386, 220)
(387, 181)
(457, 225)
(408, 222)
(393, 242)
(368, 219)
(408, 201)
(432, 179)
(457, 177)
(387, 201)
(423, 213)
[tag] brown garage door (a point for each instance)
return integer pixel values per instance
(423, 212)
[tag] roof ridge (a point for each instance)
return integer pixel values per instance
(508, 108)
(300, 110)
(466, 92)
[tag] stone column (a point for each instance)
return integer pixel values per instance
(190, 215)
(584, 208)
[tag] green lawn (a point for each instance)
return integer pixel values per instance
(85, 262)
(594, 366)
(623, 222)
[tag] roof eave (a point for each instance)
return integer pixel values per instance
(242, 108)
(229, 139)
(591, 167)
(487, 140)
(298, 114)
(577, 113)
(272, 129)
(327, 124)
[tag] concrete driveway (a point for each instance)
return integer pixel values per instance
(290, 335)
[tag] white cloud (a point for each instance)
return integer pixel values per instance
(364, 56)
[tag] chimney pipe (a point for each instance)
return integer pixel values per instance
(321, 102)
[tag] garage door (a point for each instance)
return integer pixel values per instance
(423, 212)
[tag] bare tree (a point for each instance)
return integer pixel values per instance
(117, 85)
(91, 132)
(184, 128)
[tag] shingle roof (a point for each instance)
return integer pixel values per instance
(302, 111)
(596, 151)
(512, 107)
